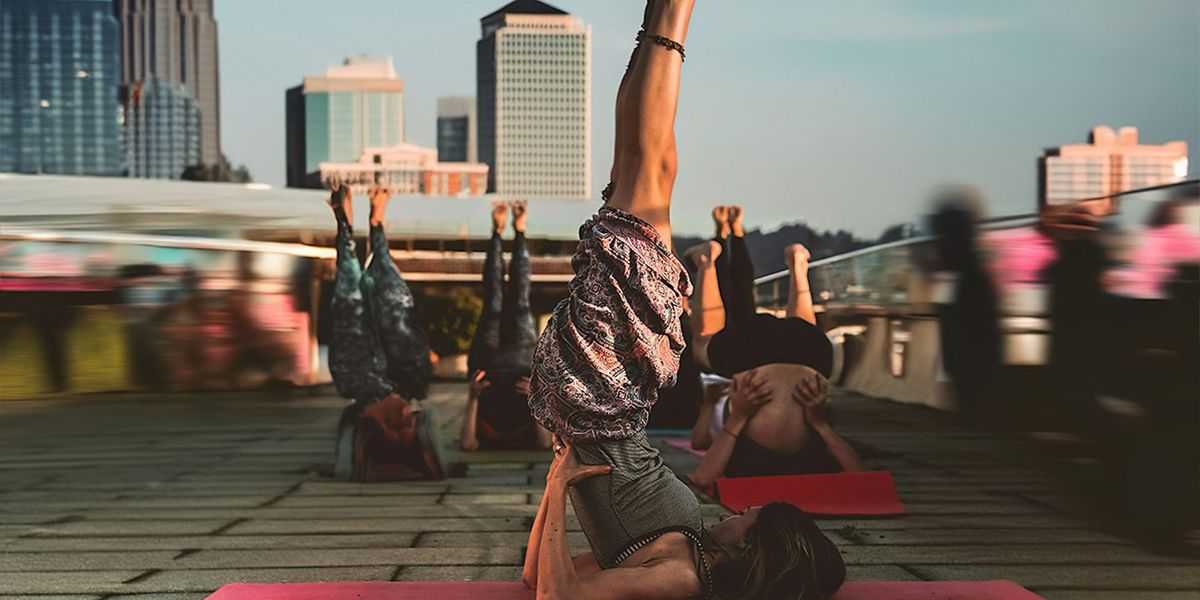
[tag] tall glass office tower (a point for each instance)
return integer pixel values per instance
(172, 42)
(332, 117)
(162, 129)
(59, 69)
(533, 78)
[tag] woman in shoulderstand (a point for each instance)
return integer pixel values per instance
(607, 350)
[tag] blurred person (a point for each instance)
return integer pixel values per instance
(607, 350)
(1168, 241)
(777, 421)
(497, 412)
(1076, 311)
(378, 354)
(1148, 457)
(968, 326)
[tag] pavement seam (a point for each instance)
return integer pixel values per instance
(142, 576)
(285, 494)
(230, 525)
(915, 572)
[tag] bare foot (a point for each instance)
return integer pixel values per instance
(703, 254)
(735, 221)
(796, 256)
(499, 214)
(340, 201)
(520, 211)
(720, 215)
(379, 196)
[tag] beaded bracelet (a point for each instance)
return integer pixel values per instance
(666, 42)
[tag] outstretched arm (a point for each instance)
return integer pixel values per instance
(645, 163)
(467, 432)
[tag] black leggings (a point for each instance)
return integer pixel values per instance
(506, 334)
(376, 346)
(735, 279)
(750, 340)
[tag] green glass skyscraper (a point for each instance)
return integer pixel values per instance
(59, 69)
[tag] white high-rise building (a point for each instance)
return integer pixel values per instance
(533, 73)
(1112, 162)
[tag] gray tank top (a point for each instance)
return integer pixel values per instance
(640, 500)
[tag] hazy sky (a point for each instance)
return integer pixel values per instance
(841, 113)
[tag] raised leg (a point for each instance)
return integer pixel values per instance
(800, 301)
(485, 346)
(404, 342)
(518, 332)
(355, 360)
(736, 274)
(646, 157)
(614, 173)
(707, 307)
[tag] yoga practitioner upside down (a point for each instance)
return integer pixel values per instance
(607, 350)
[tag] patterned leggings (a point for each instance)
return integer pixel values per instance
(506, 334)
(376, 346)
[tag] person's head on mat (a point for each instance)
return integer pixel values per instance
(774, 551)
(497, 405)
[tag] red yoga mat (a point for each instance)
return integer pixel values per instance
(453, 590)
(859, 493)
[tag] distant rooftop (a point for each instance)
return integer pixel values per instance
(362, 67)
(229, 210)
(526, 7)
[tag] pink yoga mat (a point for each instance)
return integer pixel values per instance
(860, 493)
(934, 590)
(683, 444)
(396, 590)
(375, 590)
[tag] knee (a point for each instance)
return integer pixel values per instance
(668, 166)
(641, 166)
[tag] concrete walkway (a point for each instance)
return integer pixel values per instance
(152, 497)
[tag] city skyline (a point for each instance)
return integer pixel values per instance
(872, 99)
